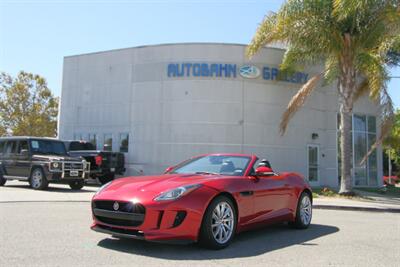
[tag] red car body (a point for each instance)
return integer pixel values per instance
(258, 201)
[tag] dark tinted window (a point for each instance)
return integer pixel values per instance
(124, 142)
(48, 147)
(22, 145)
(2, 143)
(76, 146)
(11, 147)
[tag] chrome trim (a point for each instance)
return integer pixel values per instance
(9, 177)
(85, 169)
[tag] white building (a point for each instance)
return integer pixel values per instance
(175, 101)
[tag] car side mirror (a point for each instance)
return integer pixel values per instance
(170, 168)
(264, 171)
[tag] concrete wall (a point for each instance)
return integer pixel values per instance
(170, 119)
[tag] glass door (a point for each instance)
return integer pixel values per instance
(313, 164)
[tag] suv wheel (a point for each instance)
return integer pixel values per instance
(2, 179)
(76, 185)
(38, 180)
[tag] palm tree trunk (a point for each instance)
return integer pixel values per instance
(346, 99)
(345, 150)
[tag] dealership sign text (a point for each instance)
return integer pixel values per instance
(231, 71)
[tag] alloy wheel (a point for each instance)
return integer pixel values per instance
(305, 210)
(36, 179)
(222, 222)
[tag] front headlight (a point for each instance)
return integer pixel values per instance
(177, 192)
(102, 188)
(55, 165)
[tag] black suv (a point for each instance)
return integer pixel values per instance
(40, 161)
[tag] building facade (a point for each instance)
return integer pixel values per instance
(162, 104)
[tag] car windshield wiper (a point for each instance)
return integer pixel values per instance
(210, 173)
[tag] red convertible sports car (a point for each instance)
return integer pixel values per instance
(208, 199)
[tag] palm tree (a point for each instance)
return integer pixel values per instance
(355, 41)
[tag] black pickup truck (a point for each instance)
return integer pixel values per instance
(104, 165)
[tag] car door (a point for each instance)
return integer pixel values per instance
(271, 197)
(22, 159)
(9, 157)
(2, 147)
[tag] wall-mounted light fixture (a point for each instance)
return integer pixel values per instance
(314, 136)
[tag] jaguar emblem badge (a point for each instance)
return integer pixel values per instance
(116, 206)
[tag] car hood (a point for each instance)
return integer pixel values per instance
(148, 187)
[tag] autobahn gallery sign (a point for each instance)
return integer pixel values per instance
(222, 70)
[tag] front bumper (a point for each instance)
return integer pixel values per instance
(172, 221)
(68, 171)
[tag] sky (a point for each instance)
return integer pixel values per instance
(36, 35)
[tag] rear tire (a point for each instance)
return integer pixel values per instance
(106, 178)
(219, 224)
(2, 179)
(76, 185)
(38, 180)
(303, 212)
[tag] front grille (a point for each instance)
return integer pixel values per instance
(119, 222)
(73, 166)
(114, 216)
(123, 206)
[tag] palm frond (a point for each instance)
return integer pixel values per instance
(331, 68)
(265, 34)
(362, 89)
(297, 101)
(387, 119)
(372, 66)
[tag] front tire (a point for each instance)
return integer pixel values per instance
(38, 180)
(2, 179)
(219, 224)
(76, 185)
(303, 212)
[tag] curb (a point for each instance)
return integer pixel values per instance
(355, 208)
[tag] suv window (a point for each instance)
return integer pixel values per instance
(11, 147)
(48, 147)
(22, 145)
(2, 143)
(77, 146)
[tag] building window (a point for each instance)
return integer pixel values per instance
(107, 146)
(124, 142)
(93, 140)
(313, 163)
(364, 136)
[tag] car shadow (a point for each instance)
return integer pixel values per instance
(246, 244)
(56, 189)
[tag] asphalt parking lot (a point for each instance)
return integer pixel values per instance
(51, 228)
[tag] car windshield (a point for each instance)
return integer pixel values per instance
(215, 164)
(48, 147)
